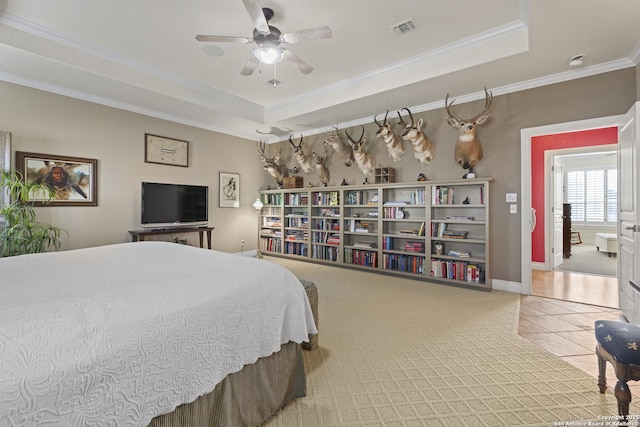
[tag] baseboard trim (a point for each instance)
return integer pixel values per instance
(504, 285)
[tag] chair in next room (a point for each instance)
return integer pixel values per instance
(618, 344)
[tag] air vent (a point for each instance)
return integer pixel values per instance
(404, 27)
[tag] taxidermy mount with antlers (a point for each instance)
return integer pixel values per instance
(364, 160)
(321, 168)
(272, 164)
(339, 146)
(423, 148)
(394, 143)
(304, 160)
(468, 151)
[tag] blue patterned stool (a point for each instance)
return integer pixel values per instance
(619, 344)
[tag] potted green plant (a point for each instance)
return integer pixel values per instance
(20, 233)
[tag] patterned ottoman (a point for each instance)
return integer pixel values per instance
(312, 294)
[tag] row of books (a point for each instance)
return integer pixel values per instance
(330, 198)
(399, 262)
(356, 198)
(296, 199)
(298, 222)
(293, 248)
(325, 252)
(326, 224)
(272, 199)
(457, 270)
(296, 235)
(361, 257)
(328, 238)
(271, 244)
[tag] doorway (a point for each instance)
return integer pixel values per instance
(534, 240)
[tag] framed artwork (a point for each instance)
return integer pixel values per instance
(166, 151)
(229, 190)
(74, 180)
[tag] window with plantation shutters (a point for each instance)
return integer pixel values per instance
(593, 195)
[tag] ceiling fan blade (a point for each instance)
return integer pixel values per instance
(257, 15)
(309, 34)
(223, 39)
(250, 66)
(295, 60)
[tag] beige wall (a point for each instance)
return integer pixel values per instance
(47, 123)
(41, 122)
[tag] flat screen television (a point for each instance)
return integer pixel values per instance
(174, 205)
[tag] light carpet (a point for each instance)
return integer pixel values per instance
(587, 259)
(400, 352)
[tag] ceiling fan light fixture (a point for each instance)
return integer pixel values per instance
(268, 54)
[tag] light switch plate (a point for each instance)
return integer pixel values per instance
(512, 197)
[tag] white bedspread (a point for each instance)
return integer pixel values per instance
(119, 334)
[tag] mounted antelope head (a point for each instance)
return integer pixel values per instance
(394, 143)
(423, 148)
(304, 160)
(339, 146)
(321, 168)
(468, 150)
(364, 160)
(272, 164)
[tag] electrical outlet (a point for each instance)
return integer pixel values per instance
(242, 242)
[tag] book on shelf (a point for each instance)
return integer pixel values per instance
(459, 254)
(361, 230)
(365, 245)
(460, 218)
(394, 203)
(421, 230)
(455, 234)
(409, 232)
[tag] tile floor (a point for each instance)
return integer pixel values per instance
(566, 329)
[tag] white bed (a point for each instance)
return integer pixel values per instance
(119, 334)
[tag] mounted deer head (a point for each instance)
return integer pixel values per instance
(321, 168)
(468, 150)
(272, 164)
(394, 143)
(423, 148)
(364, 160)
(339, 146)
(304, 160)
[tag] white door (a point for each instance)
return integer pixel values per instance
(558, 221)
(628, 215)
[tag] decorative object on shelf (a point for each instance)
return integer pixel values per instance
(468, 150)
(422, 177)
(304, 160)
(292, 182)
(394, 143)
(272, 164)
(166, 151)
(20, 233)
(423, 149)
(229, 194)
(344, 182)
(365, 181)
(384, 175)
(339, 146)
(258, 205)
(439, 248)
(466, 201)
(364, 160)
(74, 180)
(321, 168)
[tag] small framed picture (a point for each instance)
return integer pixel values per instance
(229, 190)
(166, 151)
(74, 180)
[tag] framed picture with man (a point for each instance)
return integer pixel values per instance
(72, 179)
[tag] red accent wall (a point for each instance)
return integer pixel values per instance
(540, 144)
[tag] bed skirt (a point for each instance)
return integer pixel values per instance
(248, 397)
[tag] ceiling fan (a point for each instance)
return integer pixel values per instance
(268, 40)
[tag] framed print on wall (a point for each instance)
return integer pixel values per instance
(229, 190)
(74, 180)
(166, 151)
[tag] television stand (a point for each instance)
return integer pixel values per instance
(139, 235)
